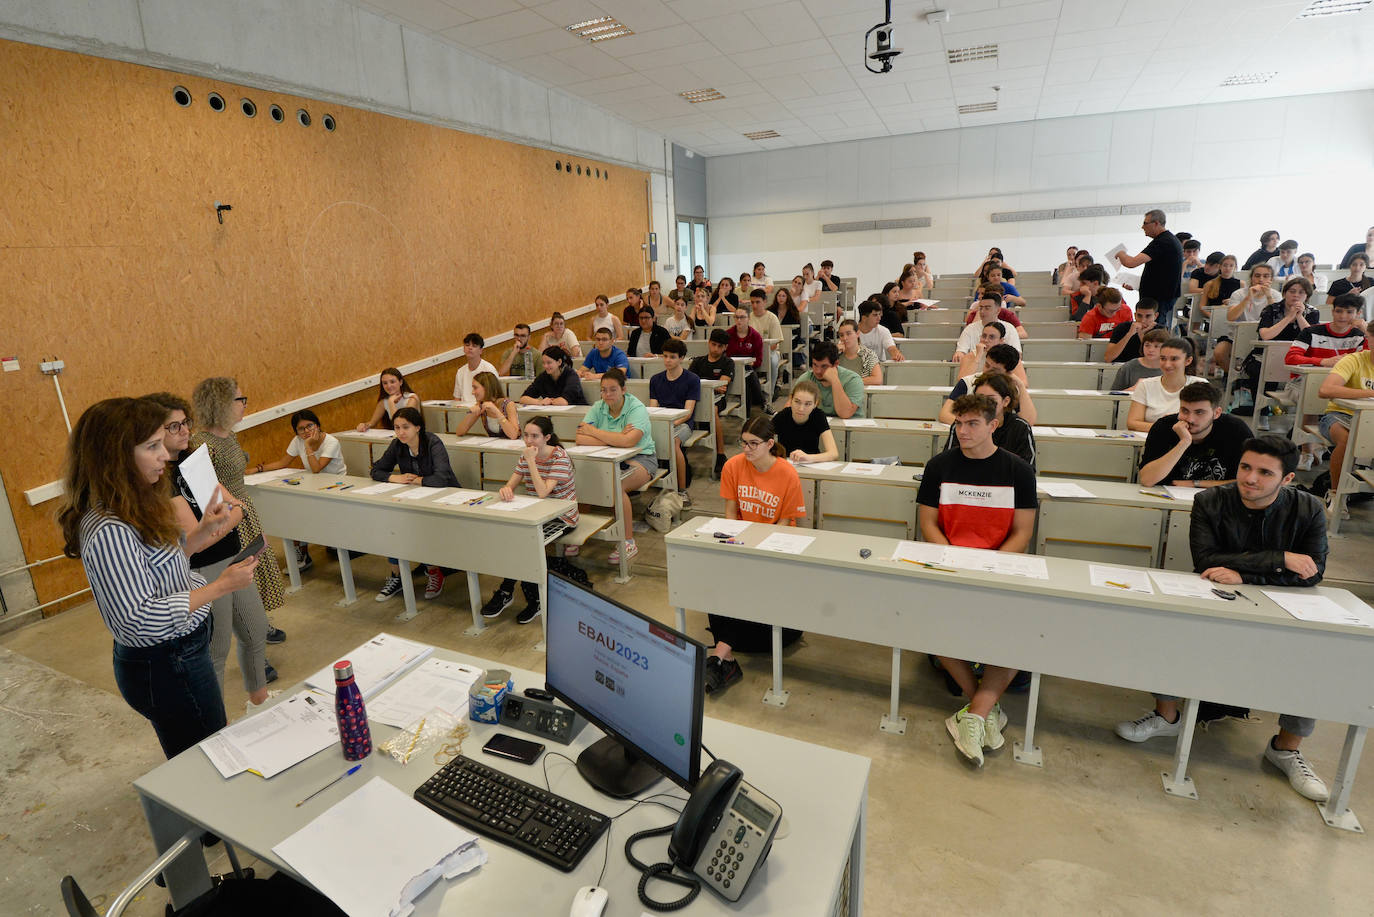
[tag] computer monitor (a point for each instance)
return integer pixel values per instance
(632, 677)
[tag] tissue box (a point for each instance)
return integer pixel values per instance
(487, 694)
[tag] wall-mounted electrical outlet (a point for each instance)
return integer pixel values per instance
(51, 367)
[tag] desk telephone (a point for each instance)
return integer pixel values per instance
(722, 836)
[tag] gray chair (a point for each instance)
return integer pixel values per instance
(78, 905)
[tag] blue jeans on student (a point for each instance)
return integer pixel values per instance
(1298, 725)
(1166, 313)
(173, 685)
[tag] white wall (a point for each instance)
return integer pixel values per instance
(1308, 172)
(333, 51)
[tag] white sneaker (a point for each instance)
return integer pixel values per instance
(1149, 726)
(1298, 771)
(631, 552)
(1306, 461)
(968, 731)
(993, 725)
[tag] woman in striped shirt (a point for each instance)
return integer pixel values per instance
(118, 518)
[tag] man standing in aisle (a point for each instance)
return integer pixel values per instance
(1162, 276)
(977, 496)
(462, 380)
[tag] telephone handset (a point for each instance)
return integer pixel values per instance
(725, 831)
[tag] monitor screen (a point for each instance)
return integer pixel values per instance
(639, 681)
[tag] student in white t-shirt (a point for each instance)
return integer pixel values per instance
(314, 450)
(1151, 399)
(462, 380)
(874, 336)
(811, 287)
(604, 319)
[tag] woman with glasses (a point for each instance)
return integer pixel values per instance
(238, 613)
(117, 518)
(220, 403)
(758, 485)
(393, 393)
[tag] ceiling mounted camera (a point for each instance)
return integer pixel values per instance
(883, 52)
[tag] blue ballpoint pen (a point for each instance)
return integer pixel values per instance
(348, 773)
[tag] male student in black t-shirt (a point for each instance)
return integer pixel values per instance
(1163, 260)
(1127, 337)
(977, 496)
(829, 282)
(1197, 447)
(677, 387)
(716, 366)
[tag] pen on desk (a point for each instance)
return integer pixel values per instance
(348, 773)
(921, 563)
(1117, 585)
(1246, 597)
(344, 486)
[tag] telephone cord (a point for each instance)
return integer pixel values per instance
(663, 871)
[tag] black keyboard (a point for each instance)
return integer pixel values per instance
(519, 814)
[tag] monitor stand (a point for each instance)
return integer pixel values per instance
(615, 770)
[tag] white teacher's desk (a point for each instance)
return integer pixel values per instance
(816, 869)
(1248, 652)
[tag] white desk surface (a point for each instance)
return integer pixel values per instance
(822, 793)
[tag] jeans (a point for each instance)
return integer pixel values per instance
(173, 685)
(1298, 725)
(238, 614)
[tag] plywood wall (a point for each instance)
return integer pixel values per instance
(345, 252)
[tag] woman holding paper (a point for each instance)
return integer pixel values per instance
(117, 518)
(220, 405)
(415, 456)
(546, 471)
(239, 613)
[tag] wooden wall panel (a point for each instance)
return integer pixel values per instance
(345, 252)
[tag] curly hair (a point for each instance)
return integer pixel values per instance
(214, 401)
(172, 403)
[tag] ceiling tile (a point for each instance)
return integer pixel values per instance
(784, 23)
(497, 28)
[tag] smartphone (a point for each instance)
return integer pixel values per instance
(253, 547)
(522, 750)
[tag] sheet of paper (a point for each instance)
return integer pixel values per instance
(377, 434)
(1126, 279)
(919, 552)
(999, 562)
(863, 468)
(784, 543)
(437, 404)
(481, 442)
(1083, 391)
(1123, 578)
(262, 477)
(822, 466)
(385, 487)
(880, 388)
(200, 477)
(459, 497)
(376, 664)
(1310, 606)
(1077, 432)
(371, 880)
(1045, 431)
(511, 505)
(582, 450)
(509, 445)
(273, 740)
(664, 412)
(730, 527)
(434, 683)
(1118, 249)
(614, 451)
(1184, 585)
(927, 303)
(1063, 489)
(421, 493)
(860, 422)
(1186, 494)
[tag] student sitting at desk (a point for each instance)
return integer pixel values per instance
(1128, 337)
(497, 412)
(1108, 312)
(999, 358)
(546, 471)
(633, 303)
(724, 299)
(1145, 366)
(462, 380)
(558, 384)
(986, 309)
(317, 452)
(787, 304)
(842, 391)
(1323, 345)
(662, 306)
(393, 393)
(522, 359)
(874, 336)
(603, 356)
(603, 318)
(1355, 282)
(1151, 399)
(558, 335)
(804, 431)
(1011, 431)
(1197, 447)
(977, 496)
(677, 387)
(1260, 531)
(703, 310)
(648, 337)
(855, 357)
(679, 324)
(415, 456)
(621, 420)
(1351, 377)
(744, 341)
(715, 366)
(757, 485)
(768, 325)
(1082, 303)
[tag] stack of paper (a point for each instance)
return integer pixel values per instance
(822, 466)
(861, 421)
(269, 742)
(434, 683)
(956, 558)
(378, 850)
(729, 527)
(419, 493)
(383, 487)
(459, 497)
(376, 664)
(1132, 580)
(863, 468)
(263, 477)
(784, 543)
(1186, 585)
(1063, 489)
(513, 504)
(1312, 606)
(1186, 494)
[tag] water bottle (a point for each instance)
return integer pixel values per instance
(529, 364)
(348, 706)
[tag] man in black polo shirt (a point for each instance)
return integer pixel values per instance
(1197, 447)
(1163, 260)
(714, 365)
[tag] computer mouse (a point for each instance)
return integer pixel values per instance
(589, 901)
(865, 553)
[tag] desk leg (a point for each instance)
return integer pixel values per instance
(776, 696)
(1026, 751)
(346, 574)
(626, 528)
(474, 599)
(1336, 810)
(1179, 783)
(681, 619)
(893, 721)
(542, 645)
(407, 591)
(856, 860)
(293, 569)
(187, 876)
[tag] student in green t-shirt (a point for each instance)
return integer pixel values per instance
(842, 390)
(620, 419)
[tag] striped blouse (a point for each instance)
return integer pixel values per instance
(143, 592)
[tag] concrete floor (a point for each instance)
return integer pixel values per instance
(1090, 833)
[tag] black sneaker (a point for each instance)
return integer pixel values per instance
(712, 678)
(530, 612)
(276, 635)
(270, 672)
(730, 673)
(391, 587)
(304, 561)
(500, 601)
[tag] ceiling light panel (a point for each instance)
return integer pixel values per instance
(1249, 79)
(762, 135)
(702, 95)
(977, 52)
(1332, 8)
(599, 29)
(977, 107)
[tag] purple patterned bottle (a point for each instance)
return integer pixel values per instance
(348, 705)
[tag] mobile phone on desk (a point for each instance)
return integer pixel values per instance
(506, 746)
(254, 547)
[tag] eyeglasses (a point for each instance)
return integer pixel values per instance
(751, 443)
(177, 426)
(307, 427)
(242, 399)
